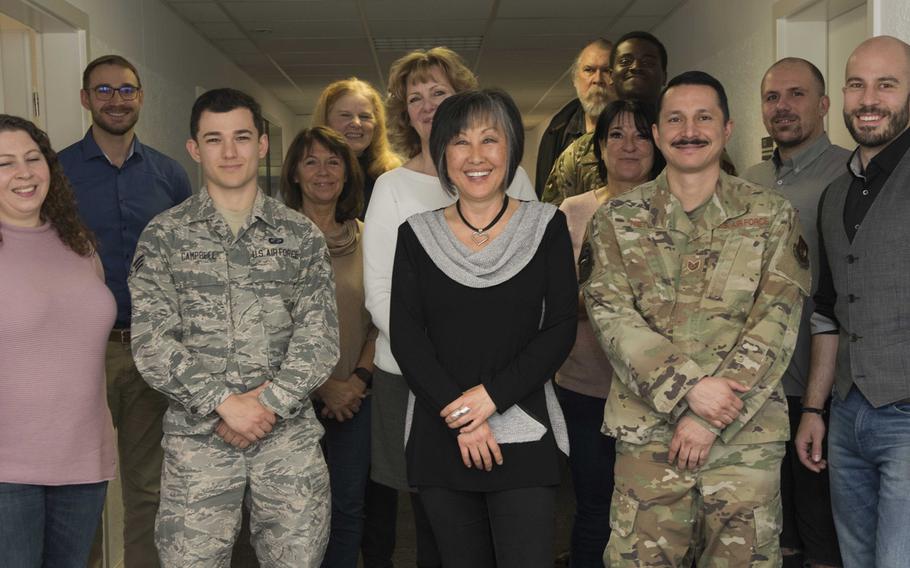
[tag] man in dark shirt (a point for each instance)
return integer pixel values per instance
(590, 75)
(860, 325)
(120, 184)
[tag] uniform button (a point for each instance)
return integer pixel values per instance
(851, 298)
(865, 192)
(851, 259)
(854, 338)
(780, 182)
(856, 226)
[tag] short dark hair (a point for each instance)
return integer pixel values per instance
(108, 60)
(350, 200)
(456, 114)
(225, 100)
(697, 78)
(813, 70)
(644, 36)
(643, 116)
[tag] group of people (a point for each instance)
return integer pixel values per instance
(281, 368)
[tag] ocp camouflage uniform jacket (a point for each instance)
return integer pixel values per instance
(673, 301)
(574, 172)
(215, 315)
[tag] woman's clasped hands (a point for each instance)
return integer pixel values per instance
(469, 413)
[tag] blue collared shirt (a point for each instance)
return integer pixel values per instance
(117, 203)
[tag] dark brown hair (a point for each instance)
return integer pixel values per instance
(59, 207)
(108, 60)
(350, 200)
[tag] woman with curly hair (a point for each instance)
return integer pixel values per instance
(418, 83)
(56, 451)
(354, 109)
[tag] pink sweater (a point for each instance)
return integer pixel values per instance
(55, 317)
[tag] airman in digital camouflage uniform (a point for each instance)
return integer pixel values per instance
(234, 321)
(696, 287)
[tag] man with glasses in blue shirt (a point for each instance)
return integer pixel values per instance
(120, 184)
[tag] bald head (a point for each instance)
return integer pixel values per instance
(877, 93)
(798, 65)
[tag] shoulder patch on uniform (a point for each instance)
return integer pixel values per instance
(138, 263)
(801, 252)
(585, 262)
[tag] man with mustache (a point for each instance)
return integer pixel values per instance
(696, 291)
(120, 184)
(805, 161)
(861, 324)
(590, 73)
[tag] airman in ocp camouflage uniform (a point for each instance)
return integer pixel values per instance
(215, 315)
(679, 297)
(574, 172)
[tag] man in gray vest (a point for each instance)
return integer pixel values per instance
(864, 299)
(805, 161)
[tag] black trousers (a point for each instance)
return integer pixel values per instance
(500, 529)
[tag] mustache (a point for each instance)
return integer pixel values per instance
(685, 141)
(785, 116)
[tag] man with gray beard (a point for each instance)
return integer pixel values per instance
(862, 309)
(590, 75)
(637, 71)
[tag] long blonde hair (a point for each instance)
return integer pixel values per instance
(379, 155)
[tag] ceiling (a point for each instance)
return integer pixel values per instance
(296, 47)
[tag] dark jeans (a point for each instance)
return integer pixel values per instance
(347, 454)
(806, 502)
(378, 541)
(591, 462)
(499, 529)
(50, 526)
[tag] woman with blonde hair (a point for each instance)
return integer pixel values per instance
(354, 109)
(418, 83)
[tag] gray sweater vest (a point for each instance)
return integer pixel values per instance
(873, 293)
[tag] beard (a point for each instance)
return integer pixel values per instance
(100, 119)
(595, 100)
(897, 123)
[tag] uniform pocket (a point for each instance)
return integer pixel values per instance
(768, 522)
(623, 510)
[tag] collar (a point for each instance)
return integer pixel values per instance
(202, 208)
(805, 157)
(884, 161)
(91, 149)
(667, 211)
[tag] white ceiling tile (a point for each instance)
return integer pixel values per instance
(200, 11)
(232, 47)
(557, 9)
(292, 10)
(652, 7)
(409, 10)
(220, 30)
(547, 27)
(634, 23)
(305, 29)
(427, 28)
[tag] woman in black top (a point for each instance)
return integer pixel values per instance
(483, 313)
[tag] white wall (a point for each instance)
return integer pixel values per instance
(732, 40)
(891, 17)
(173, 59)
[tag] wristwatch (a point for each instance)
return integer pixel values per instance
(364, 375)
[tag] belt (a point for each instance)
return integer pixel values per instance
(120, 335)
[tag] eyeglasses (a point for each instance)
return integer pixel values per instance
(106, 92)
